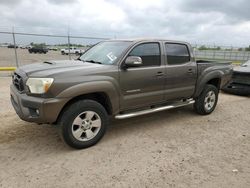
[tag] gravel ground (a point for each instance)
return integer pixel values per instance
(175, 148)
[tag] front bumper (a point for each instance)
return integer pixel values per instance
(35, 109)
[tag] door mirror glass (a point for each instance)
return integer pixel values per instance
(133, 61)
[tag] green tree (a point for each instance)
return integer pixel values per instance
(203, 47)
(248, 48)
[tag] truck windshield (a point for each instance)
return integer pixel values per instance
(105, 52)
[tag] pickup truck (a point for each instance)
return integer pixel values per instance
(115, 79)
(39, 50)
(71, 50)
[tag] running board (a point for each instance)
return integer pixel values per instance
(158, 109)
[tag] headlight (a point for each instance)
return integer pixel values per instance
(39, 85)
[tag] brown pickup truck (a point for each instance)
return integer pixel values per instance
(119, 79)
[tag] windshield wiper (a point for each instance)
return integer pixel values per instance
(92, 61)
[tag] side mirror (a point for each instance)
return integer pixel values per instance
(133, 61)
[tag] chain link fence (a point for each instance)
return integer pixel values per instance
(223, 53)
(14, 49)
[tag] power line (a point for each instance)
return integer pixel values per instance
(49, 35)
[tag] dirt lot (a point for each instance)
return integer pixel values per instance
(7, 56)
(175, 148)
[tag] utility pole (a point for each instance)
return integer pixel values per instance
(69, 44)
(14, 41)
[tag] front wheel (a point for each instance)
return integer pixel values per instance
(83, 123)
(207, 101)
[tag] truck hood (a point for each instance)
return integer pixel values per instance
(49, 68)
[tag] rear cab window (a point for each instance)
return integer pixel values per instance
(177, 53)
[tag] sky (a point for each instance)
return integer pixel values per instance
(213, 22)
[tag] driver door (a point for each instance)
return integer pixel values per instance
(143, 86)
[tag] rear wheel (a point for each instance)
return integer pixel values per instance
(207, 101)
(83, 124)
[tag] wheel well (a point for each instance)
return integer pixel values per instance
(215, 82)
(99, 97)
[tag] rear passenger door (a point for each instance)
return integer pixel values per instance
(181, 71)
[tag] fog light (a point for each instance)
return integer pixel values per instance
(34, 112)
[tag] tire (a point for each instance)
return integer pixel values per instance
(207, 101)
(63, 53)
(78, 129)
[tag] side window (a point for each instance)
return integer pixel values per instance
(149, 53)
(177, 53)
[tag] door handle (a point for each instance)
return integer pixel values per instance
(159, 74)
(190, 71)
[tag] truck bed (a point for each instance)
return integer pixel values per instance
(213, 62)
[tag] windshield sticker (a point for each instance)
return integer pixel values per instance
(111, 56)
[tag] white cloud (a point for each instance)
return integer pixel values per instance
(189, 20)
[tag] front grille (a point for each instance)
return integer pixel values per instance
(18, 82)
(241, 78)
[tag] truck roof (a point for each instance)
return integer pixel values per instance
(148, 40)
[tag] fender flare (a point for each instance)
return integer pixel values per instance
(93, 87)
(204, 79)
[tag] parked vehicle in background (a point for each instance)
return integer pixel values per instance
(117, 78)
(39, 50)
(71, 50)
(4, 45)
(12, 46)
(240, 82)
